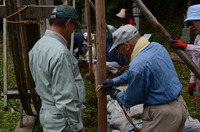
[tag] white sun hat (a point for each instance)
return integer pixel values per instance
(193, 13)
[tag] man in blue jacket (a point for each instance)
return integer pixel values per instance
(56, 74)
(114, 60)
(152, 81)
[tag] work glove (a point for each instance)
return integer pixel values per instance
(113, 92)
(191, 87)
(176, 43)
(82, 130)
(107, 85)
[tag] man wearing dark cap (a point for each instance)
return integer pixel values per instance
(192, 21)
(152, 81)
(56, 74)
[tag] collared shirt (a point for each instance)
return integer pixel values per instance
(151, 78)
(194, 50)
(56, 74)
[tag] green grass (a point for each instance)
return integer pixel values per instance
(90, 111)
(8, 119)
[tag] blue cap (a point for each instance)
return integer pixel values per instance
(193, 13)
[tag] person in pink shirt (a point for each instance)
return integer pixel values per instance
(193, 22)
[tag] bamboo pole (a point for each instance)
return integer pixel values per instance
(5, 63)
(191, 65)
(87, 12)
(101, 64)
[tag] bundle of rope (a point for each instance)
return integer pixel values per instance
(25, 21)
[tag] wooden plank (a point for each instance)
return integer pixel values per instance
(31, 12)
(35, 12)
(28, 124)
(13, 94)
(27, 2)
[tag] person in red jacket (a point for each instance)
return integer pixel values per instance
(126, 17)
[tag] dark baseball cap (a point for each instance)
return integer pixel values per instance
(65, 11)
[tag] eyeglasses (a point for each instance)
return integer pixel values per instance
(190, 23)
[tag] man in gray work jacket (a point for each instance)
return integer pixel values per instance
(56, 74)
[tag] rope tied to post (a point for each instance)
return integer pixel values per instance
(25, 21)
(98, 87)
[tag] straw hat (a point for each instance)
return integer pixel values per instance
(121, 14)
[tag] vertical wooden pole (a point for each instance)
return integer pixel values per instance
(72, 35)
(45, 24)
(14, 36)
(31, 35)
(48, 2)
(5, 67)
(23, 48)
(87, 13)
(101, 64)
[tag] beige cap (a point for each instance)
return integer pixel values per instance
(121, 14)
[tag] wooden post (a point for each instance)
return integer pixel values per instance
(87, 12)
(45, 24)
(192, 66)
(23, 48)
(5, 67)
(101, 64)
(72, 35)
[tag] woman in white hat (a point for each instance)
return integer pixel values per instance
(193, 22)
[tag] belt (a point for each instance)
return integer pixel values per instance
(163, 103)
